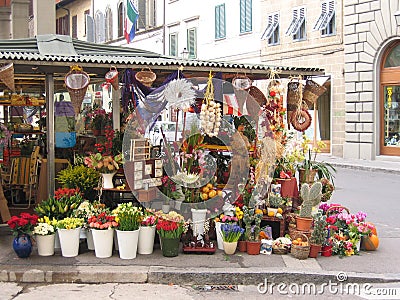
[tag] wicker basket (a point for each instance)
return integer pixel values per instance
(77, 83)
(7, 76)
(294, 94)
(259, 96)
(312, 91)
(336, 209)
(293, 232)
(280, 250)
(112, 77)
(146, 76)
(301, 252)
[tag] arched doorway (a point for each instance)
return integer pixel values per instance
(390, 101)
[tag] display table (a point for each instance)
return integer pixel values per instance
(42, 190)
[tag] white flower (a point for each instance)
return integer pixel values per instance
(43, 229)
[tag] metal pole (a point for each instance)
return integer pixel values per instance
(50, 134)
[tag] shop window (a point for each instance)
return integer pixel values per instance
(245, 16)
(192, 42)
(173, 44)
(220, 25)
(297, 28)
(271, 32)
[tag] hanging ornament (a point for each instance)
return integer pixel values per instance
(179, 94)
(210, 114)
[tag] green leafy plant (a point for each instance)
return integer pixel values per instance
(250, 216)
(274, 200)
(84, 178)
(311, 196)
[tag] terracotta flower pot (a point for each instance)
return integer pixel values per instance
(242, 246)
(253, 248)
(326, 251)
(307, 176)
(303, 224)
(314, 250)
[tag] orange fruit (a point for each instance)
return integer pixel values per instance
(209, 185)
(219, 193)
(205, 189)
(204, 196)
(279, 210)
(212, 194)
(271, 214)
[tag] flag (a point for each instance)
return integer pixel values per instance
(130, 21)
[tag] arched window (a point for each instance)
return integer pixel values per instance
(109, 22)
(121, 18)
(390, 101)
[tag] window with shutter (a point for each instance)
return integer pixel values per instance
(173, 44)
(75, 27)
(326, 20)
(245, 16)
(141, 21)
(100, 27)
(220, 22)
(192, 42)
(109, 27)
(89, 28)
(271, 32)
(121, 18)
(297, 27)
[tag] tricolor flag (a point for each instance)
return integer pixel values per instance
(130, 21)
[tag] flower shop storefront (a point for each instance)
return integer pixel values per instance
(236, 176)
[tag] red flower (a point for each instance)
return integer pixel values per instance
(272, 93)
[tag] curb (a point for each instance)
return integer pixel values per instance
(180, 276)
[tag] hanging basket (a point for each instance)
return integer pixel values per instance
(258, 95)
(300, 251)
(301, 119)
(241, 82)
(76, 82)
(112, 77)
(312, 91)
(7, 76)
(294, 94)
(146, 76)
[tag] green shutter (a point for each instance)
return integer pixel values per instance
(173, 44)
(217, 21)
(245, 16)
(220, 21)
(191, 42)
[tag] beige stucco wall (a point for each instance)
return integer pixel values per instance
(77, 8)
(315, 51)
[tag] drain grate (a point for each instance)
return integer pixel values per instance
(209, 288)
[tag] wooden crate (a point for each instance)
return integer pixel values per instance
(140, 149)
(147, 195)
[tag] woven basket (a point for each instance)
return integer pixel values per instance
(146, 76)
(280, 250)
(77, 83)
(293, 232)
(301, 252)
(294, 94)
(7, 76)
(257, 94)
(336, 209)
(241, 82)
(112, 77)
(312, 91)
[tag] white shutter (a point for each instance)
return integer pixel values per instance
(301, 20)
(295, 19)
(321, 18)
(89, 28)
(272, 24)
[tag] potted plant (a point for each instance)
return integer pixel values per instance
(45, 237)
(147, 232)
(21, 228)
(81, 177)
(102, 226)
(231, 234)
(311, 196)
(69, 230)
(252, 220)
(219, 221)
(129, 218)
(310, 167)
(170, 228)
(319, 234)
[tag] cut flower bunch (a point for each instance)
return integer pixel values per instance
(128, 217)
(170, 225)
(22, 224)
(102, 221)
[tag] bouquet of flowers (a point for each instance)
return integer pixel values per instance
(102, 160)
(128, 217)
(149, 218)
(171, 225)
(70, 223)
(98, 118)
(43, 229)
(226, 219)
(231, 232)
(22, 224)
(87, 209)
(168, 188)
(102, 221)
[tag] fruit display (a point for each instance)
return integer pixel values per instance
(209, 191)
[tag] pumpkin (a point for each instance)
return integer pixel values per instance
(371, 242)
